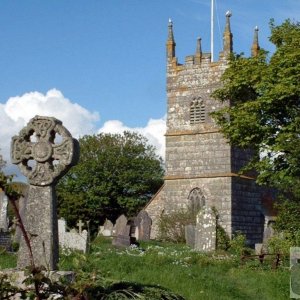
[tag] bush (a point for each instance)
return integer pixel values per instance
(238, 244)
(172, 226)
(223, 240)
(282, 242)
(288, 217)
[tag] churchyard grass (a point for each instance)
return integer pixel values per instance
(193, 275)
(7, 260)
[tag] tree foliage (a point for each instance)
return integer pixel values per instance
(116, 174)
(264, 111)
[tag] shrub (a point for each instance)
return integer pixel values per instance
(282, 242)
(288, 217)
(238, 243)
(172, 226)
(223, 240)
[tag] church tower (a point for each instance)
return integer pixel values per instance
(201, 167)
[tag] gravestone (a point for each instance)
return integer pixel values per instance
(44, 151)
(268, 230)
(73, 239)
(120, 226)
(80, 225)
(143, 224)
(190, 235)
(107, 228)
(122, 233)
(3, 212)
(206, 230)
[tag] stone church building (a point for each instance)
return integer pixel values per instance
(201, 167)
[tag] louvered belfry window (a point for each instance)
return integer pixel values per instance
(197, 111)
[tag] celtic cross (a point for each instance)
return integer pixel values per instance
(44, 150)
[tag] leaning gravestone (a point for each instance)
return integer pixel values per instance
(206, 230)
(44, 150)
(143, 224)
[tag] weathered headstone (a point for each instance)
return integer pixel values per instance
(107, 228)
(205, 234)
(73, 239)
(122, 233)
(190, 235)
(5, 237)
(3, 212)
(120, 226)
(44, 150)
(143, 224)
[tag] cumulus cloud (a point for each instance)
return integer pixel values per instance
(17, 111)
(154, 131)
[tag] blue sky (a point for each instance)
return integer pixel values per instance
(104, 61)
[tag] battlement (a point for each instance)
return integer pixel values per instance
(204, 59)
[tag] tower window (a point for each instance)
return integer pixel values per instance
(197, 111)
(196, 199)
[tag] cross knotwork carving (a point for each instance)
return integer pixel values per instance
(37, 153)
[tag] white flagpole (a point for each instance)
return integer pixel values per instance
(212, 30)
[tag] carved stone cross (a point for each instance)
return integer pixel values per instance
(80, 225)
(44, 150)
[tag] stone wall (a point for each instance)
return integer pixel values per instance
(247, 214)
(175, 196)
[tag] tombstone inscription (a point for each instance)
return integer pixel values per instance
(44, 151)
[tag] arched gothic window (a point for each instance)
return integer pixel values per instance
(197, 111)
(196, 199)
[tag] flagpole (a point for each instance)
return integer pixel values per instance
(212, 30)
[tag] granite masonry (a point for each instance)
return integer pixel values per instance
(201, 167)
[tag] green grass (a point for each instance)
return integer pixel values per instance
(7, 260)
(193, 275)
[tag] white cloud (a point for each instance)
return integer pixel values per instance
(154, 131)
(17, 111)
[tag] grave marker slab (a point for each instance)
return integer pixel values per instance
(73, 239)
(3, 212)
(190, 235)
(206, 230)
(43, 161)
(143, 223)
(120, 227)
(122, 233)
(107, 228)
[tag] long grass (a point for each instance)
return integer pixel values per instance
(193, 275)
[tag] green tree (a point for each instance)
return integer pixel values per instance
(116, 174)
(264, 111)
